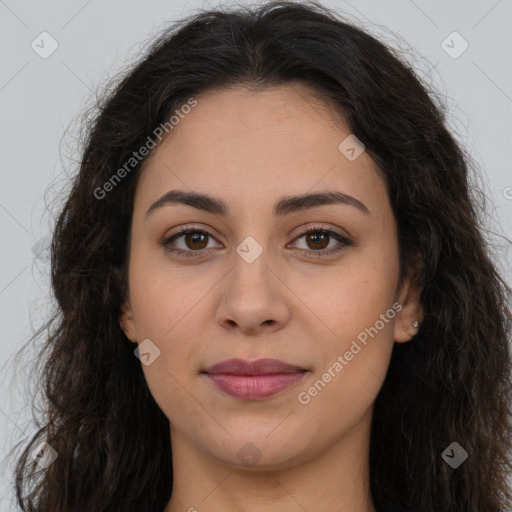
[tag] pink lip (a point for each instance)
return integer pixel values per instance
(254, 380)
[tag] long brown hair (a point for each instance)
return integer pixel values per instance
(452, 383)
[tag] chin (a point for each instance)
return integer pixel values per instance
(259, 452)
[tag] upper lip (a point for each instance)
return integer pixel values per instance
(259, 367)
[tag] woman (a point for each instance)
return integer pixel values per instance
(274, 290)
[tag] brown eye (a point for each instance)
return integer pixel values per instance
(188, 242)
(195, 240)
(318, 240)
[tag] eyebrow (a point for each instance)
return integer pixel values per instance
(284, 206)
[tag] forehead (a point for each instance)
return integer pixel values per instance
(250, 145)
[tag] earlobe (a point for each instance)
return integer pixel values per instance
(126, 322)
(408, 320)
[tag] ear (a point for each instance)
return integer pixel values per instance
(411, 312)
(127, 322)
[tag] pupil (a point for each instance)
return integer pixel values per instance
(196, 237)
(315, 237)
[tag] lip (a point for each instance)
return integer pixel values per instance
(254, 380)
(259, 367)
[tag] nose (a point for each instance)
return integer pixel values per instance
(254, 297)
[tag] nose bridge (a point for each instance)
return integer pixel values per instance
(251, 263)
(252, 296)
(254, 230)
(250, 250)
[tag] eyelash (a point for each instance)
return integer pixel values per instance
(345, 242)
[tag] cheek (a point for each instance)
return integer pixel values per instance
(354, 315)
(167, 306)
(354, 364)
(165, 298)
(345, 300)
(166, 311)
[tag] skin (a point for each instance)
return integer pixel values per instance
(250, 148)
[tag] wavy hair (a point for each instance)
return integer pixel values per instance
(451, 383)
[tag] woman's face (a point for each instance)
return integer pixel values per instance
(254, 286)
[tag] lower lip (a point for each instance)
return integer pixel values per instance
(254, 387)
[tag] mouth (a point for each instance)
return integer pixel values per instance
(253, 380)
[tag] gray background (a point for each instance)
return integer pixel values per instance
(40, 98)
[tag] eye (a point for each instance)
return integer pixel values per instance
(319, 238)
(196, 241)
(193, 238)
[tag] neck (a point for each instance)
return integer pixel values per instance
(337, 479)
